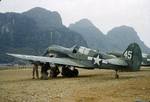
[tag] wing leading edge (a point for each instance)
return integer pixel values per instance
(63, 61)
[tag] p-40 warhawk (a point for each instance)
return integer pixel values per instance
(82, 57)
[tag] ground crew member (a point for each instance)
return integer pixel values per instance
(35, 71)
(54, 71)
(44, 68)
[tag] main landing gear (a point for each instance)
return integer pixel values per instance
(68, 72)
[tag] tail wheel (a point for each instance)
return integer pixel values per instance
(116, 74)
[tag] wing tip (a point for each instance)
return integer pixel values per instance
(8, 53)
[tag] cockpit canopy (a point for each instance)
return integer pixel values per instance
(75, 50)
(82, 50)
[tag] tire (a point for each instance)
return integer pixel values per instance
(75, 72)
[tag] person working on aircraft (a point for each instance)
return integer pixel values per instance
(44, 68)
(54, 70)
(35, 70)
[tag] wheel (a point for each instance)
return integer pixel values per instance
(66, 72)
(75, 72)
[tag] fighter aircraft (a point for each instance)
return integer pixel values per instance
(145, 57)
(82, 57)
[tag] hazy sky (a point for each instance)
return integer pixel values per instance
(105, 14)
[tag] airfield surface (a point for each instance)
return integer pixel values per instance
(17, 85)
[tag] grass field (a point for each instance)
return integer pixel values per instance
(17, 85)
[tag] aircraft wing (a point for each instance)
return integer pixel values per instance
(63, 61)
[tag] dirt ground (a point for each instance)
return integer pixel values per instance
(17, 85)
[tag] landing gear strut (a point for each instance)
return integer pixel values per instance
(116, 74)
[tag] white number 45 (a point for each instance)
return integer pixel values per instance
(128, 54)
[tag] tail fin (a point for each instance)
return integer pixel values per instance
(133, 56)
